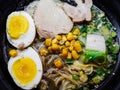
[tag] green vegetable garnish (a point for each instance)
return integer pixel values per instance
(97, 79)
(75, 77)
(83, 29)
(114, 48)
(113, 34)
(96, 56)
(73, 87)
(102, 14)
(84, 34)
(100, 72)
(81, 43)
(95, 30)
(69, 61)
(109, 40)
(105, 31)
(89, 30)
(82, 57)
(96, 23)
(95, 49)
(108, 25)
(108, 71)
(81, 73)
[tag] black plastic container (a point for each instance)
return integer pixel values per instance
(110, 7)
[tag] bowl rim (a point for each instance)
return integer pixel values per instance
(108, 79)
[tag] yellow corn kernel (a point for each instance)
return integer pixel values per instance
(69, 55)
(67, 43)
(75, 54)
(58, 37)
(75, 37)
(72, 42)
(55, 47)
(70, 36)
(71, 48)
(55, 41)
(61, 42)
(76, 31)
(61, 47)
(13, 53)
(77, 46)
(64, 39)
(43, 51)
(64, 52)
(50, 49)
(48, 42)
(58, 63)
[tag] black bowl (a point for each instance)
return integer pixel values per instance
(110, 7)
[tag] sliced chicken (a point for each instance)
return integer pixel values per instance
(81, 12)
(51, 20)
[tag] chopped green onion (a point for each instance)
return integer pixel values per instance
(81, 43)
(82, 57)
(81, 73)
(84, 34)
(109, 40)
(100, 72)
(97, 79)
(108, 25)
(105, 31)
(104, 19)
(69, 61)
(113, 34)
(95, 30)
(75, 77)
(96, 23)
(73, 87)
(89, 31)
(83, 29)
(114, 48)
(108, 71)
(102, 14)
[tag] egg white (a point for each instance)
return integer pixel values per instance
(26, 38)
(31, 53)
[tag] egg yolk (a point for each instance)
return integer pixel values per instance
(17, 26)
(24, 70)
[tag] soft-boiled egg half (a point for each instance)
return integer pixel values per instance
(20, 29)
(26, 68)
